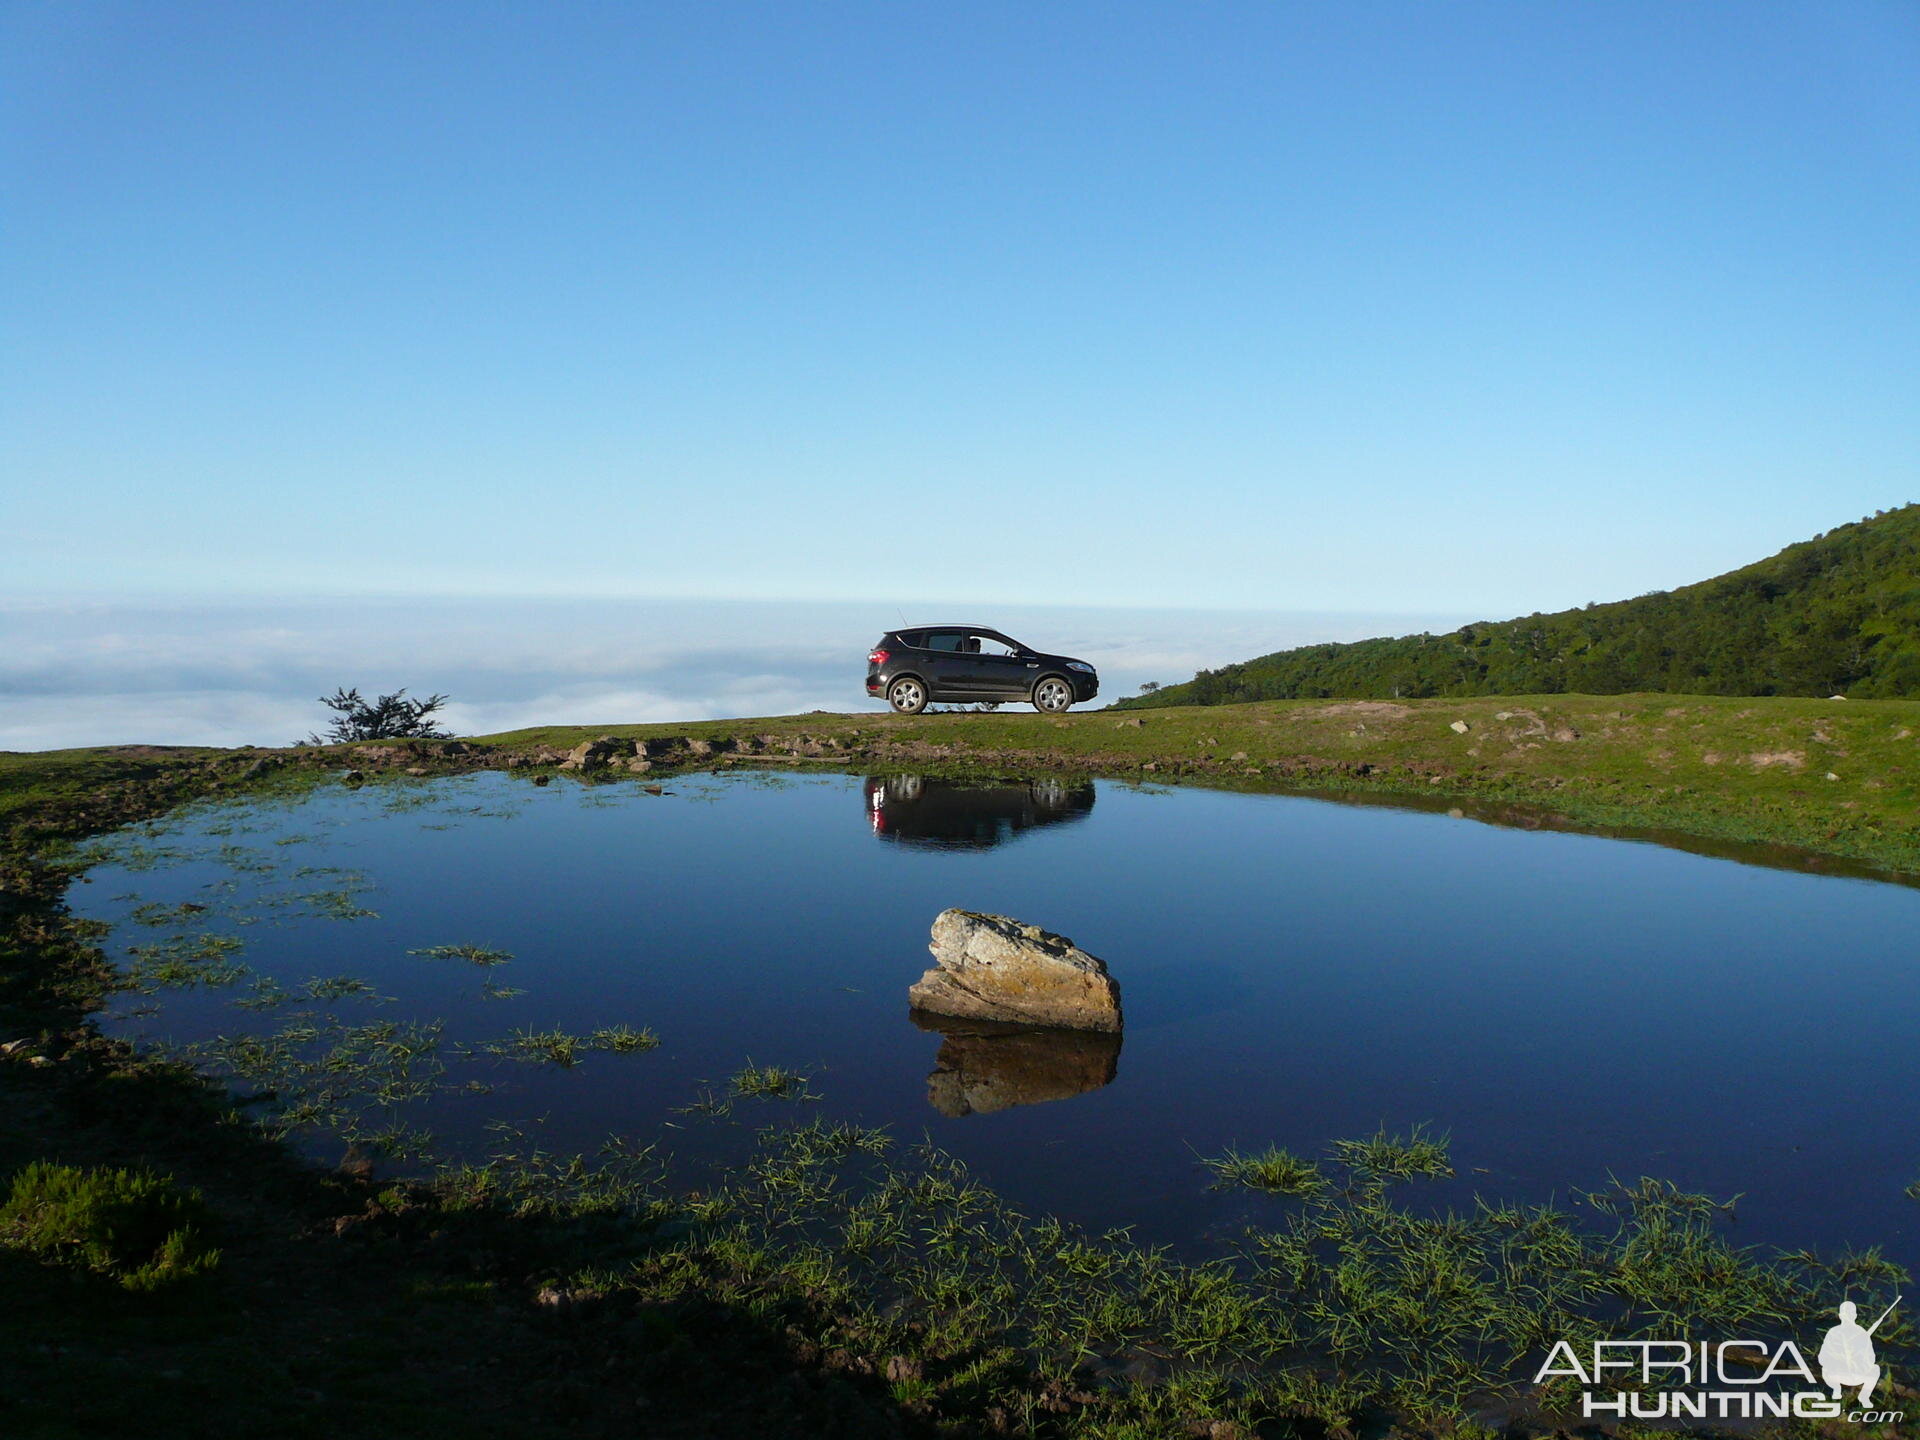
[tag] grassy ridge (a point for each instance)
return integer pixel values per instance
(38, 779)
(1705, 770)
(1839, 613)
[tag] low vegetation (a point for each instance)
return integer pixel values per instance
(138, 1229)
(770, 1082)
(1280, 1171)
(1839, 613)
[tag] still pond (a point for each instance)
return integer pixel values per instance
(1294, 971)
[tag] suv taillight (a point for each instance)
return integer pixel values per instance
(877, 657)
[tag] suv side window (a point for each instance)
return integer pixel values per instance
(991, 645)
(947, 640)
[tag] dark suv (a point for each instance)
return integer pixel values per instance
(960, 664)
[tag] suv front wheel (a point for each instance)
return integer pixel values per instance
(908, 695)
(1052, 695)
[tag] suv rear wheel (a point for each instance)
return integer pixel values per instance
(1052, 695)
(908, 695)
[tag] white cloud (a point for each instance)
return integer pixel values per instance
(223, 674)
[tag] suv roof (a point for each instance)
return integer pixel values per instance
(946, 625)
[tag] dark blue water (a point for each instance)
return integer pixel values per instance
(1294, 971)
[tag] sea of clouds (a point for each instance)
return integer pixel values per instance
(227, 672)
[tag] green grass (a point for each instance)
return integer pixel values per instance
(1397, 1157)
(1732, 775)
(472, 954)
(31, 780)
(552, 1047)
(770, 1082)
(622, 1040)
(140, 1230)
(1280, 1171)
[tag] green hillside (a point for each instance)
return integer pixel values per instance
(1837, 614)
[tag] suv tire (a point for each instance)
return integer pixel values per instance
(1052, 696)
(908, 695)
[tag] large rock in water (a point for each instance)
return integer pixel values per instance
(993, 968)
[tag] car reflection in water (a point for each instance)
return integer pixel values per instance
(984, 1066)
(949, 815)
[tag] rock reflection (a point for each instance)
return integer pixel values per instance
(929, 813)
(987, 1065)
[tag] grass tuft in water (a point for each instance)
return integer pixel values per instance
(622, 1040)
(185, 961)
(551, 1047)
(771, 1082)
(1271, 1169)
(472, 954)
(1397, 1157)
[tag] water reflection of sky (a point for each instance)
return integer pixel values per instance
(1294, 971)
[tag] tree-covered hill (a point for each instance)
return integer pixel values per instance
(1837, 614)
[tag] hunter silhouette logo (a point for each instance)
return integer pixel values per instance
(1728, 1379)
(1846, 1355)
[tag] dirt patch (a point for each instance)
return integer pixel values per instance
(1768, 759)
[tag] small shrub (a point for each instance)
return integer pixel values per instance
(141, 1229)
(390, 717)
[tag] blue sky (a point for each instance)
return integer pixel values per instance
(1462, 308)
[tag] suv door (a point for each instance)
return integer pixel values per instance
(1001, 669)
(948, 669)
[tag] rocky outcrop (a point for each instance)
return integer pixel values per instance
(990, 967)
(590, 754)
(986, 1065)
